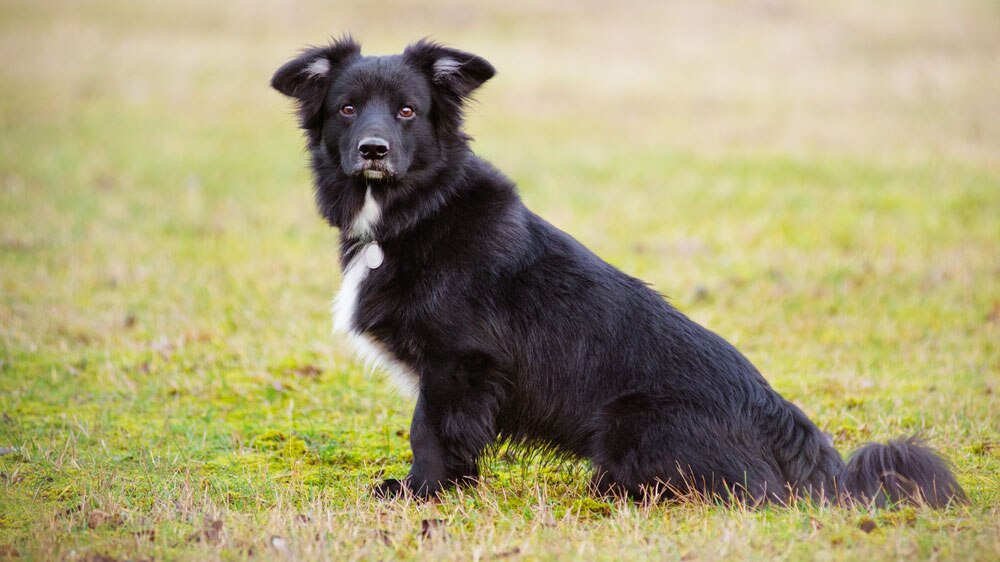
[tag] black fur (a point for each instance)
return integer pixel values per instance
(518, 333)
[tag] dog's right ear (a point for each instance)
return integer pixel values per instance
(307, 77)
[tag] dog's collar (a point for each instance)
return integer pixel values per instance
(362, 239)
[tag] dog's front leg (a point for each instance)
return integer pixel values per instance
(449, 431)
(427, 473)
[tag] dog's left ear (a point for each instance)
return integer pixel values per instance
(454, 71)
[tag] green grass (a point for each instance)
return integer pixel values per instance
(817, 183)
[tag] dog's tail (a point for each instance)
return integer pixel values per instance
(903, 470)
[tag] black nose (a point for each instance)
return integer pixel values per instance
(373, 148)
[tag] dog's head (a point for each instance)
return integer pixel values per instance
(381, 118)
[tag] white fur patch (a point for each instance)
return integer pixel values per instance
(366, 219)
(318, 68)
(445, 67)
(372, 353)
(375, 357)
(346, 301)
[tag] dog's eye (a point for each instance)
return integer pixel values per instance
(348, 110)
(406, 112)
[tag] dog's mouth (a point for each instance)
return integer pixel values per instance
(374, 170)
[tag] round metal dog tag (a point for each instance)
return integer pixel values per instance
(373, 256)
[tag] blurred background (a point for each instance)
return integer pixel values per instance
(913, 76)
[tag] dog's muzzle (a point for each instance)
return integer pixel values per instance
(373, 164)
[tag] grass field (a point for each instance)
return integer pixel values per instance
(819, 182)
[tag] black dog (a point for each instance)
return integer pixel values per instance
(511, 330)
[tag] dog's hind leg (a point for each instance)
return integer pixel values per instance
(652, 446)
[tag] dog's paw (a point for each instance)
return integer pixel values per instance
(389, 488)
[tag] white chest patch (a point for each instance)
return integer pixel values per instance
(364, 222)
(345, 308)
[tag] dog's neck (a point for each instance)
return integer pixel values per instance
(387, 212)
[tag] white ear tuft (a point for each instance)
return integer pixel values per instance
(445, 67)
(318, 68)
